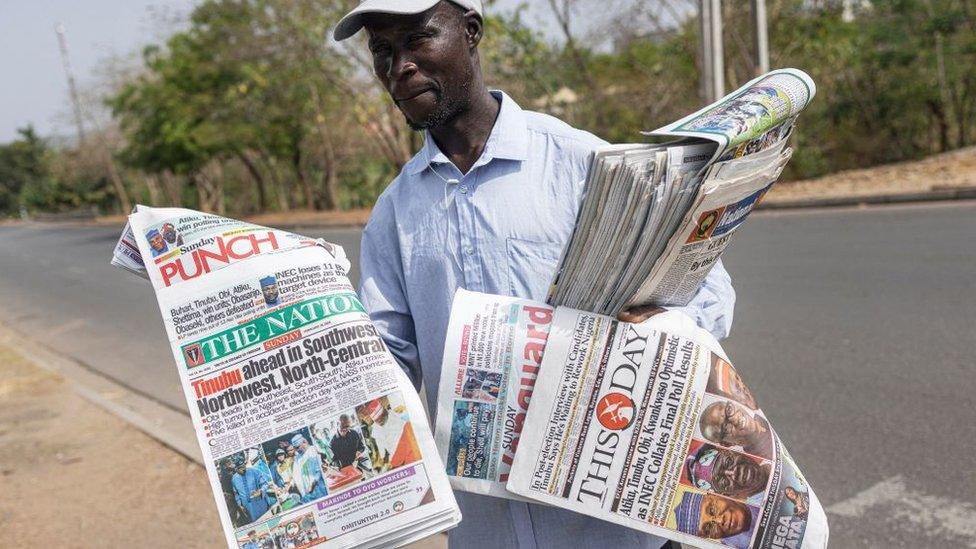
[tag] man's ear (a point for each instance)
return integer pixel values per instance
(474, 28)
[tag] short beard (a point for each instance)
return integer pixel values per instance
(447, 107)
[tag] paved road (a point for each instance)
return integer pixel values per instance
(869, 313)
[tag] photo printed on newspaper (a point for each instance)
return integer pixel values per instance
(492, 353)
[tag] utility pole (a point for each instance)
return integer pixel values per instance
(713, 64)
(104, 150)
(762, 37)
(72, 89)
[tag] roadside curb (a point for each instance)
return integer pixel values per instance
(163, 423)
(935, 195)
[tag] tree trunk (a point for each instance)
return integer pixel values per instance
(259, 183)
(307, 190)
(331, 177)
(155, 193)
(113, 175)
(174, 188)
(942, 124)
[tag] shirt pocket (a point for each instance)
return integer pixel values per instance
(531, 267)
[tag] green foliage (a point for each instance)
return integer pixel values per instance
(23, 164)
(37, 177)
(253, 108)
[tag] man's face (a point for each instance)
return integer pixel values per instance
(270, 292)
(157, 242)
(241, 469)
(729, 424)
(736, 475)
(169, 232)
(737, 389)
(722, 518)
(424, 61)
(291, 450)
(344, 424)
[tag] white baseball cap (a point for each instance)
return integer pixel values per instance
(353, 21)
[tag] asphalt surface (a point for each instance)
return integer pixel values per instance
(855, 328)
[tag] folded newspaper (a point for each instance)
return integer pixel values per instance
(648, 425)
(656, 218)
(310, 431)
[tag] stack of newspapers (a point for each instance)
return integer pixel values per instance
(646, 425)
(656, 218)
(309, 430)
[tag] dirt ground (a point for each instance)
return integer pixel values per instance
(953, 169)
(74, 475)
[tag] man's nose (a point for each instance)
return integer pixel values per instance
(401, 65)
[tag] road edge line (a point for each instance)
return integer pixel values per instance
(169, 427)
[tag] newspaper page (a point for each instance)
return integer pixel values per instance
(311, 433)
(649, 426)
(759, 111)
(492, 355)
(722, 206)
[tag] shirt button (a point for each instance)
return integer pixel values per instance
(464, 189)
(469, 251)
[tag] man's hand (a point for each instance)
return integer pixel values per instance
(639, 313)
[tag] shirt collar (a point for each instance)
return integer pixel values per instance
(509, 139)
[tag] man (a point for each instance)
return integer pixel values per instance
(250, 490)
(157, 245)
(307, 470)
(728, 473)
(171, 236)
(281, 472)
(726, 423)
(725, 381)
(238, 515)
(713, 517)
(392, 433)
(347, 444)
(487, 204)
(269, 289)
(251, 541)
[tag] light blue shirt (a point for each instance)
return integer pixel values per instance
(499, 229)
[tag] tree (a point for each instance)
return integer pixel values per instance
(23, 164)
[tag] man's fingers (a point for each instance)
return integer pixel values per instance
(639, 313)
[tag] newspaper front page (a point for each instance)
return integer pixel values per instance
(756, 114)
(650, 426)
(492, 355)
(311, 433)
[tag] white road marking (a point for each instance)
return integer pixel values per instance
(936, 517)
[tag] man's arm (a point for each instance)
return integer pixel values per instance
(711, 308)
(381, 289)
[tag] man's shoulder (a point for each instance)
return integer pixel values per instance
(558, 130)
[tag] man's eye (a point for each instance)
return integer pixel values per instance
(380, 51)
(417, 39)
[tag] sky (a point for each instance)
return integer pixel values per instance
(33, 86)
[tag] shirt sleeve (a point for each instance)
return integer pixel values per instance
(713, 305)
(381, 289)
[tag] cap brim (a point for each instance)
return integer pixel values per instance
(353, 21)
